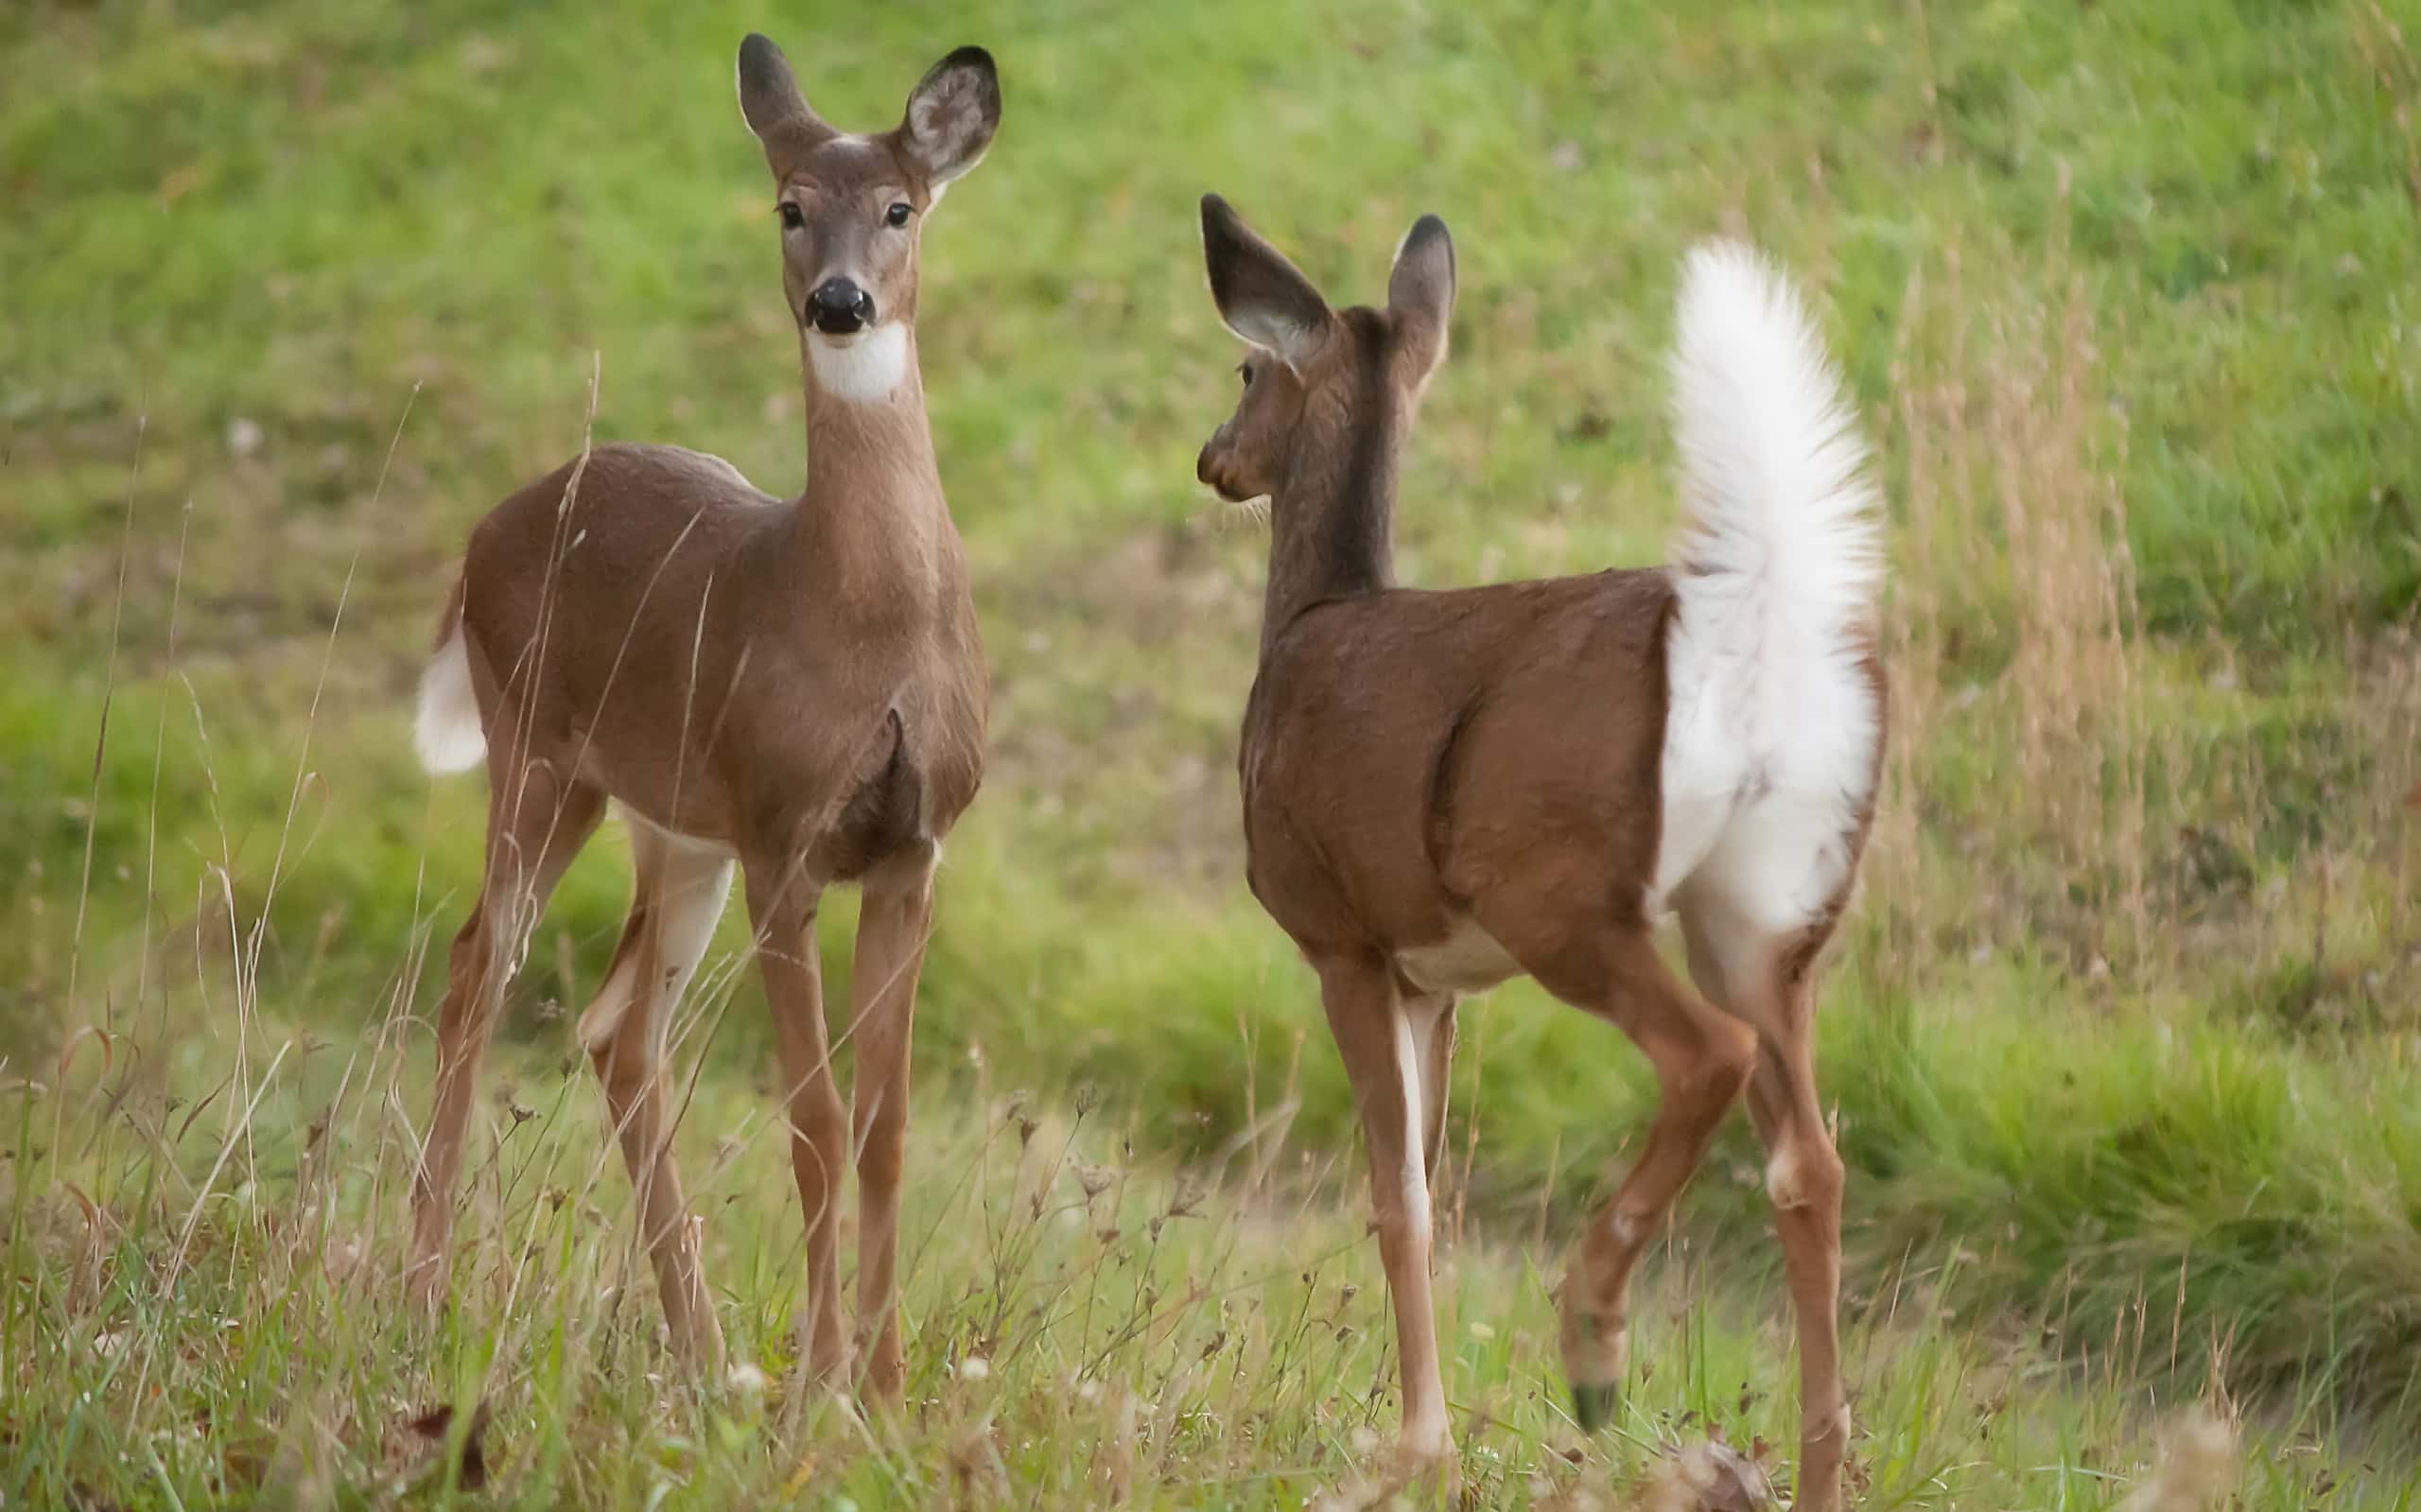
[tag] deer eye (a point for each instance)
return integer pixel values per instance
(1246, 369)
(898, 213)
(793, 217)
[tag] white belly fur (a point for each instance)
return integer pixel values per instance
(1467, 960)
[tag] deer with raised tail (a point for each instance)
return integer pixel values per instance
(793, 686)
(1445, 789)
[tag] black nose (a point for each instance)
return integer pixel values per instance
(840, 306)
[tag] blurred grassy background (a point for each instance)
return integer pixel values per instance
(2125, 1025)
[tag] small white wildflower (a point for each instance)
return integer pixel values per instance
(974, 1368)
(1482, 1331)
(746, 1379)
(1364, 1441)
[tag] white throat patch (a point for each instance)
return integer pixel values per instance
(864, 367)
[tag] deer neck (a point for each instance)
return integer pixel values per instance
(872, 522)
(1332, 522)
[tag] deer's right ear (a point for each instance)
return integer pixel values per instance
(1420, 295)
(772, 104)
(1261, 297)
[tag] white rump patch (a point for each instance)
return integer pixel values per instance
(865, 367)
(445, 726)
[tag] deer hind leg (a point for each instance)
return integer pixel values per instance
(1703, 1058)
(893, 925)
(1374, 1035)
(677, 896)
(537, 825)
(1766, 979)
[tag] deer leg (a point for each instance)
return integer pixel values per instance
(1703, 1058)
(1383, 1060)
(1432, 1029)
(678, 896)
(1804, 1177)
(893, 925)
(537, 825)
(782, 910)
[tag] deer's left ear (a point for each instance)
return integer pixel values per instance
(1261, 297)
(1420, 296)
(952, 112)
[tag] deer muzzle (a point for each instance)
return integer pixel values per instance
(1207, 469)
(840, 307)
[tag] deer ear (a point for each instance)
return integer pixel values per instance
(952, 115)
(772, 104)
(1261, 297)
(1420, 295)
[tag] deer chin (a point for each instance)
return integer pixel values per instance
(863, 367)
(1212, 475)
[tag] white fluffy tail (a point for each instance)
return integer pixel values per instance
(1776, 568)
(445, 729)
(1779, 557)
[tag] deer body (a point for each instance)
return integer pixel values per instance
(1452, 702)
(793, 690)
(777, 642)
(1443, 789)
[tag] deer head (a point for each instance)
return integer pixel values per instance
(1317, 378)
(851, 207)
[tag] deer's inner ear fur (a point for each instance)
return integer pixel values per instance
(1420, 296)
(952, 115)
(1261, 297)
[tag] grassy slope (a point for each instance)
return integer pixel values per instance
(292, 216)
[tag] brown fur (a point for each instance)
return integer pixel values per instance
(1416, 766)
(1403, 751)
(796, 684)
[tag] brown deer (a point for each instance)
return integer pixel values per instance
(1444, 789)
(794, 685)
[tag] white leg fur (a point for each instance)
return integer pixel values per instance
(445, 726)
(865, 368)
(604, 1011)
(1415, 1175)
(691, 880)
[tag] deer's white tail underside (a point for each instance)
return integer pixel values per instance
(445, 726)
(1770, 734)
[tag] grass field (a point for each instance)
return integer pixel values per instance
(2122, 1034)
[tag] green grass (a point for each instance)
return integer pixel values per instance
(1135, 1346)
(2121, 1037)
